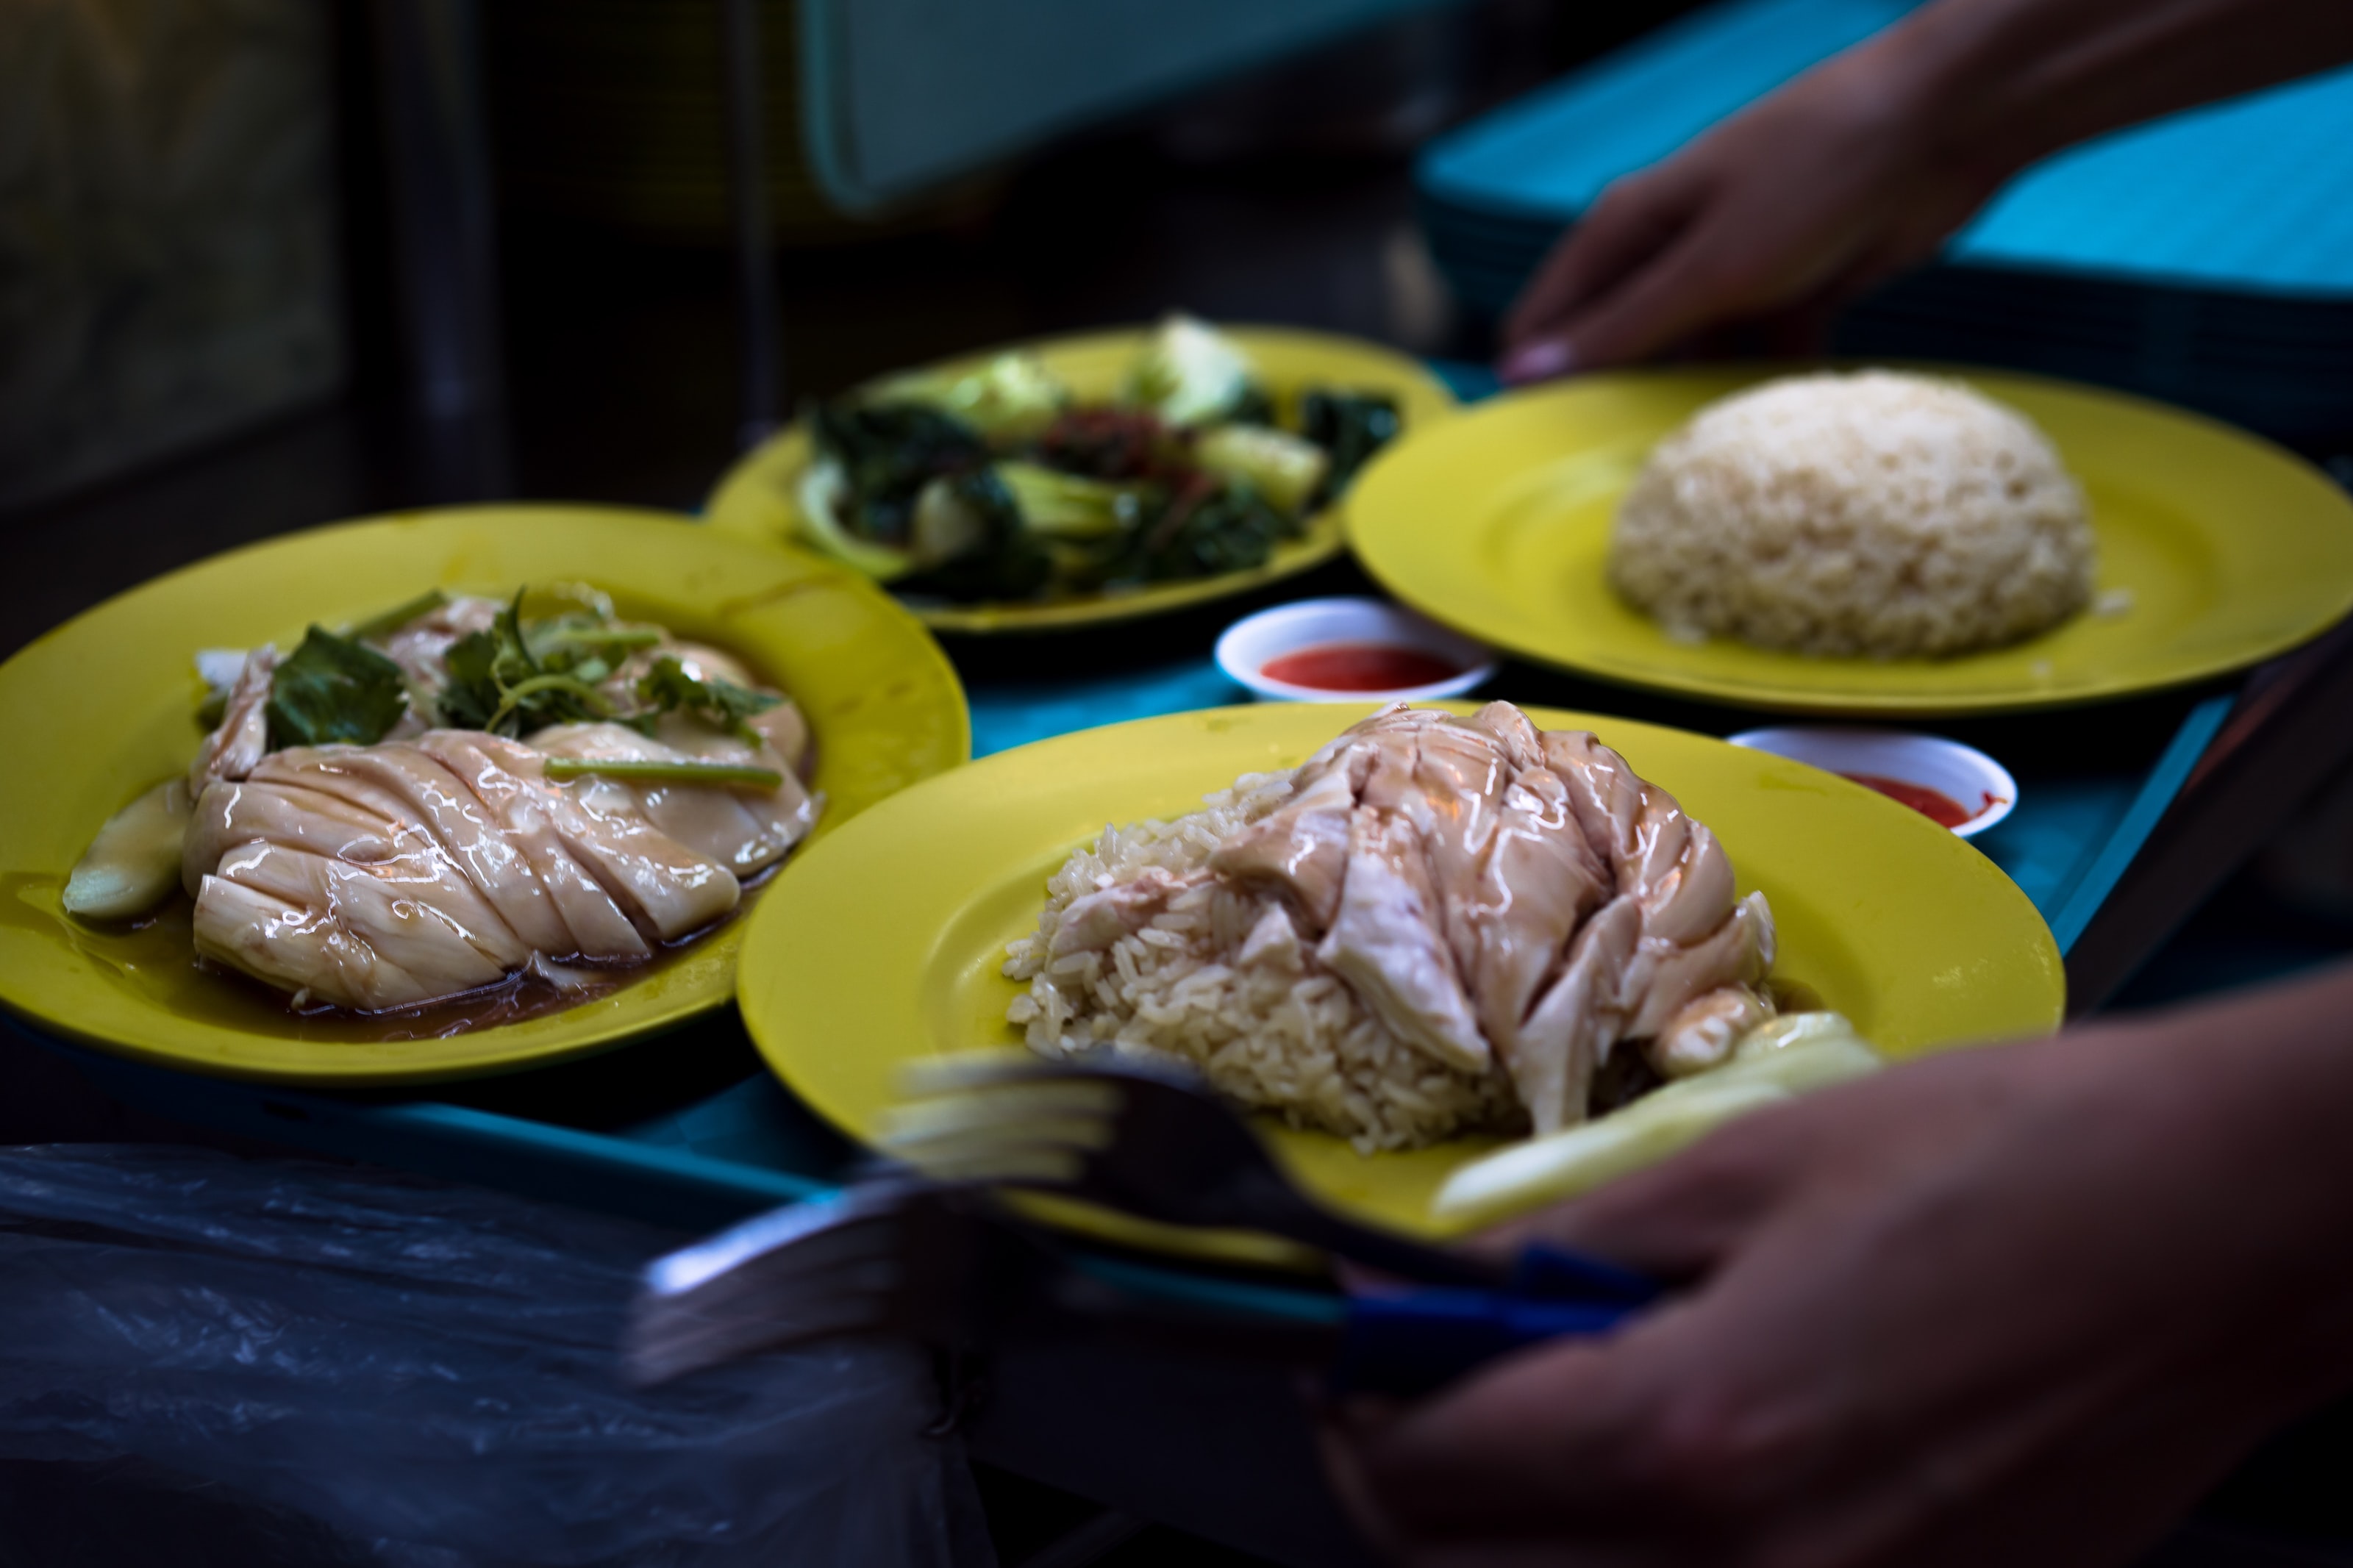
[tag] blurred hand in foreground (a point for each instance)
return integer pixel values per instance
(1773, 218)
(2016, 1305)
(1865, 164)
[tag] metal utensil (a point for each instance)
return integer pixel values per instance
(902, 1258)
(946, 1268)
(1150, 1140)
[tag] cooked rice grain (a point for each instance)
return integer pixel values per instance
(1869, 513)
(1277, 1030)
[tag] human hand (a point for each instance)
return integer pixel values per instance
(1772, 220)
(2014, 1305)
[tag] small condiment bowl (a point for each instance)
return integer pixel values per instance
(1251, 644)
(1962, 774)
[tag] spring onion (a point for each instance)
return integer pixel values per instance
(595, 637)
(648, 770)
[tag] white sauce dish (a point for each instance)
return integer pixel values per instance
(1977, 792)
(1350, 650)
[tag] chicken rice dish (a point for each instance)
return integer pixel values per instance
(1434, 925)
(453, 797)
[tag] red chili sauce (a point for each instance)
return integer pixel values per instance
(1359, 666)
(1941, 809)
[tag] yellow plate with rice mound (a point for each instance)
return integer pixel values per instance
(888, 944)
(1872, 513)
(1623, 527)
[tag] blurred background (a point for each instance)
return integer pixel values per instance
(266, 263)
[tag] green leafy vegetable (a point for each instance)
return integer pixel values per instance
(825, 505)
(997, 560)
(1011, 398)
(1254, 406)
(1191, 374)
(650, 770)
(1351, 426)
(1229, 529)
(498, 684)
(568, 636)
(951, 521)
(334, 689)
(668, 687)
(1287, 469)
(1064, 506)
(888, 454)
(544, 700)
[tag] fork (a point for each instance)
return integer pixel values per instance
(1149, 1139)
(893, 1257)
(948, 1268)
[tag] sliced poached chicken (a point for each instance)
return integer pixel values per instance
(385, 876)
(1492, 892)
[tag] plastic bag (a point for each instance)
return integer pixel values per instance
(268, 1362)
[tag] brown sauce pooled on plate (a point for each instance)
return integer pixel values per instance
(156, 956)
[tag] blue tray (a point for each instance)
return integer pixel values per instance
(2251, 195)
(2206, 258)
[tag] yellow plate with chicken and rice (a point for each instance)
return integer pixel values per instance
(890, 943)
(695, 706)
(1568, 505)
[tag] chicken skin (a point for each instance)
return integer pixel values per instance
(1494, 893)
(384, 876)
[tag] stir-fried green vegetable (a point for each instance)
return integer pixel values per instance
(1012, 397)
(888, 453)
(995, 485)
(1064, 506)
(1191, 374)
(1287, 469)
(334, 689)
(1230, 530)
(1351, 426)
(972, 544)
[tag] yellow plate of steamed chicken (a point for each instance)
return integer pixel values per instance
(1874, 541)
(1453, 959)
(439, 794)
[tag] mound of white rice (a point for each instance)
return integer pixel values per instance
(1274, 1029)
(1867, 513)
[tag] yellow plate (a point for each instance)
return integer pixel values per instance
(885, 945)
(2232, 549)
(107, 704)
(756, 498)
